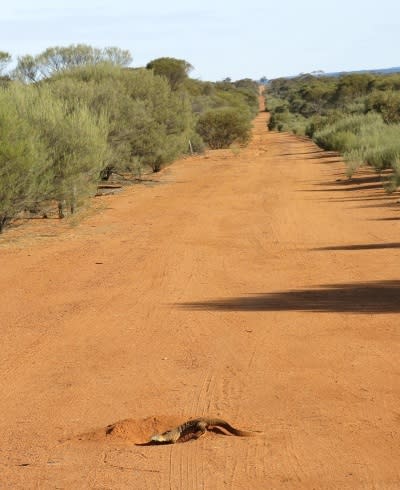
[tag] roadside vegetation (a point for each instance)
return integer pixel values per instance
(73, 116)
(357, 115)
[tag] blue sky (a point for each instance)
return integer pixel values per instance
(237, 39)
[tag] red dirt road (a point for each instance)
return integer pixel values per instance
(252, 285)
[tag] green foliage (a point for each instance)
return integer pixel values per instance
(363, 138)
(148, 122)
(197, 88)
(219, 128)
(352, 86)
(196, 143)
(210, 100)
(281, 119)
(354, 160)
(357, 115)
(395, 179)
(206, 96)
(28, 69)
(47, 150)
(386, 103)
(174, 70)
(76, 144)
(347, 132)
(275, 104)
(23, 157)
(81, 114)
(60, 58)
(247, 83)
(248, 90)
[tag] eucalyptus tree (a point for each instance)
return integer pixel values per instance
(58, 59)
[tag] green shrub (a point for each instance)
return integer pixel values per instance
(387, 104)
(346, 133)
(219, 128)
(148, 122)
(272, 103)
(383, 156)
(366, 136)
(75, 142)
(174, 70)
(339, 140)
(23, 157)
(59, 59)
(197, 144)
(353, 159)
(81, 115)
(356, 114)
(286, 121)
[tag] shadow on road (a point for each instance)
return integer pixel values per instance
(354, 181)
(392, 218)
(362, 246)
(367, 297)
(348, 188)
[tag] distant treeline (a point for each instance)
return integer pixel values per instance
(74, 115)
(357, 115)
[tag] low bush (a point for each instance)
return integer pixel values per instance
(219, 128)
(148, 122)
(357, 115)
(287, 121)
(362, 139)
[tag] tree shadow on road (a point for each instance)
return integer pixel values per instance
(365, 297)
(366, 187)
(391, 218)
(361, 246)
(354, 181)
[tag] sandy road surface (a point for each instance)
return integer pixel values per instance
(250, 285)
